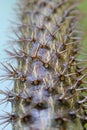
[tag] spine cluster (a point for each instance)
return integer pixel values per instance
(50, 80)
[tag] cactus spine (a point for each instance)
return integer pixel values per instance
(49, 79)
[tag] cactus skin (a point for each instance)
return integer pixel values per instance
(49, 79)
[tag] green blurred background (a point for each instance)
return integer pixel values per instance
(83, 7)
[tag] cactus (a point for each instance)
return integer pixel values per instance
(49, 79)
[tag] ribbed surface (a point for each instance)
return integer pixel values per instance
(48, 78)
